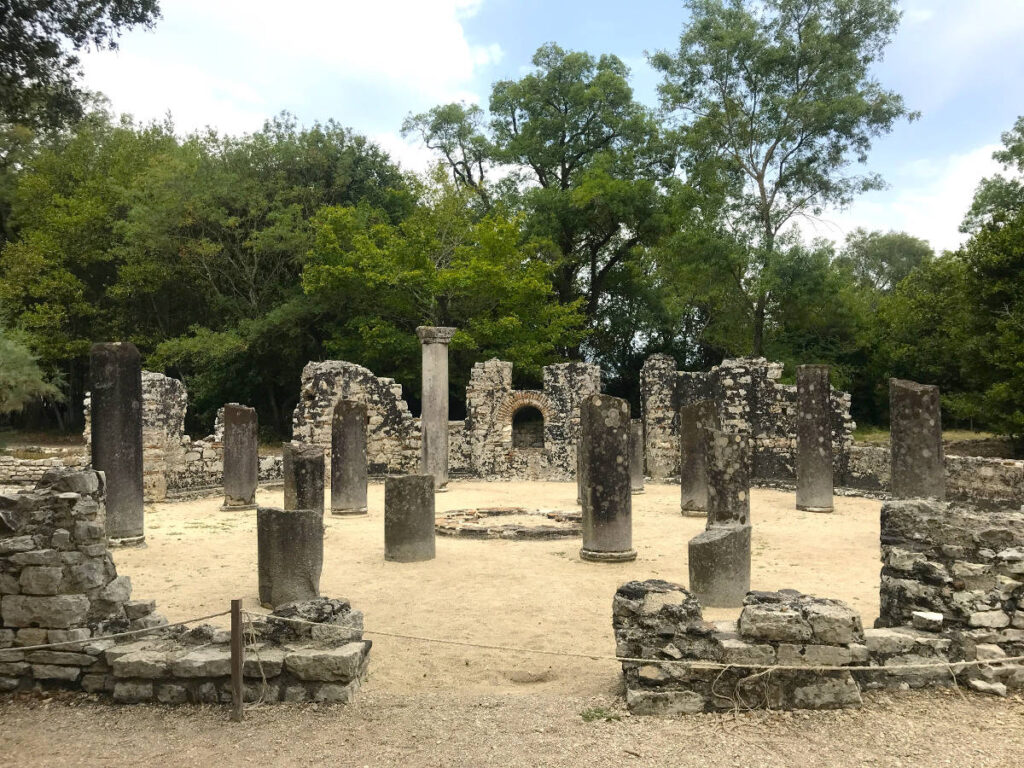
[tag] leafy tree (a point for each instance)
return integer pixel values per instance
(585, 162)
(878, 261)
(775, 100)
(21, 379)
(39, 42)
(999, 199)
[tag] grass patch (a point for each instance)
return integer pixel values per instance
(881, 435)
(590, 714)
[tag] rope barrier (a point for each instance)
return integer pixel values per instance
(129, 633)
(692, 664)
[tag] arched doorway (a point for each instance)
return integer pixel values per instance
(527, 427)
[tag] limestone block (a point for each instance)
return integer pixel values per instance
(332, 693)
(41, 579)
(887, 641)
(263, 661)
(136, 609)
(171, 693)
(814, 655)
(62, 658)
(58, 611)
(993, 619)
(928, 621)
(203, 662)
(50, 557)
(774, 623)
(828, 693)
(642, 702)
(738, 652)
(328, 664)
(147, 664)
(133, 691)
(833, 623)
(55, 672)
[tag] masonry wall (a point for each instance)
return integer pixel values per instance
(59, 584)
(750, 400)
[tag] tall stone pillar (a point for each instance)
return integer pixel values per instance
(636, 456)
(813, 439)
(607, 500)
(693, 478)
(241, 457)
(719, 558)
(303, 476)
(409, 518)
(348, 458)
(289, 554)
(115, 370)
(915, 427)
(434, 414)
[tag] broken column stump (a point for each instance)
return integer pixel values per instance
(814, 484)
(607, 501)
(241, 457)
(348, 459)
(693, 479)
(303, 467)
(409, 518)
(290, 554)
(915, 418)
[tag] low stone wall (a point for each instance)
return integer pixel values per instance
(15, 472)
(58, 584)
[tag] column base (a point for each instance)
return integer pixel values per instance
(719, 560)
(236, 507)
(127, 541)
(808, 508)
(593, 556)
(636, 491)
(349, 512)
(694, 513)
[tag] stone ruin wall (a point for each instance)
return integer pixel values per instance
(750, 400)
(59, 584)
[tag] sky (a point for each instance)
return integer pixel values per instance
(231, 64)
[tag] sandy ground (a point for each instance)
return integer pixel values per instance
(438, 705)
(533, 594)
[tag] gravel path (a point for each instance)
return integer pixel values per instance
(934, 728)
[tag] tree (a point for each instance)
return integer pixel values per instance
(775, 99)
(39, 41)
(998, 199)
(587, 164)
(878, 261)
(21, 379)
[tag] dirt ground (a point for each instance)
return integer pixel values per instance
(430, 704)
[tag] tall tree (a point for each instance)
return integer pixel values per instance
(775, 99)
(878, 261)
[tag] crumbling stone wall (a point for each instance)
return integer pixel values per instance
(750, 400)
(17, 472)
(491, 405)
(393, 437)
(58, 584)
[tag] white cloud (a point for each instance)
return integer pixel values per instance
(233, 63)
(928, 200)
(409, 153)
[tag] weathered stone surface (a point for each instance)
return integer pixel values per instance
(41, 580)
(133, 691)
(60, 658)
(829, 693)
(57, 611)
(171, 693)
(918, 469)
(642, 702)
(212, 661)
(832, 622)
(434, 419)
(136, 609)
(814, 484)
(263, 661)
(303, 477)
(814, 655)
(348, 458)
(719, 563)
(409, 518)
(607, 503)
(55, 672)
(143, 663)
(736, 651)
(290, 554)
(773, 622)
(116, 412)
(929, 621)
(328, 665)
(332, 693)
(636, 456)
(241, 456)
(693, 479)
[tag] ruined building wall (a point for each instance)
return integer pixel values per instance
(750, 400)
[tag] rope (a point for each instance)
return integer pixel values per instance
(111, 637)
(607, 657)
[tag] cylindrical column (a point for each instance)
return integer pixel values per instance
(303, 476)
(636, 456)
(241, 457)
(719, 558)
(915, 433)
(607, 502)
(290, 554)
(409, 518)
(434, 413)
(115, 370)
(693, 477)
(348, 458)
(813, 439)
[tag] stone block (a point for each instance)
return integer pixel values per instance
(719, 563)
(58, 611)
(55, 672)
(885, 641)
(119, 590)
(63, 658)
(774, 623)
(8, 684)
(16, 544)
(37, 557)
(642, 702)
(136, 609)
(828, 693)
(329, 665)
(203, 662)
(41, 580)
(833, 623)
(927, 621)
(814, 655)
(96, 683)
(148, 664)
(133, 691)
(171, 693)
(738, 652)
(263, 661)
(14, 668)
(32, 636)
(981, 686)
(294, 693)
(993, 619)
(333, 693)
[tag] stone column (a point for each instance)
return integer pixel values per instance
(289, 554)
(636, 456)
(915, 427)
(607, 501)
(409, 518)
(813, 439)
(693, 478)
(303, 476)
(348, 458)
(115, 370)
(241, 457)
(719, 558)
(434, 413)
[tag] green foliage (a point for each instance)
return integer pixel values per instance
(21, 379)
(878, 261)
(776, 98)
(591, 714)
(999, 199)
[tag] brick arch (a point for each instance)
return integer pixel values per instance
(521, 399)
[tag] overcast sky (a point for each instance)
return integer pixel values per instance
(231, 64)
